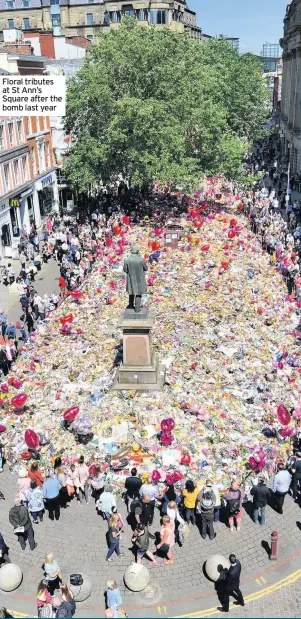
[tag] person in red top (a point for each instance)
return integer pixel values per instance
(62, 285)
(35, 474)
(43, 596)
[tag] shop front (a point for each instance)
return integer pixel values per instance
(47, 191)
(10, 225)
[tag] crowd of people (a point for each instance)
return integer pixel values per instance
(179, 505)
(75, 244)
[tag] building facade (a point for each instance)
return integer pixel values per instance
(290, 124)
(86, 17)
(28, 187)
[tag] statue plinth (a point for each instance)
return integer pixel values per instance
(140, 369)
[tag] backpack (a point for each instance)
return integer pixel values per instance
(208, 501)
(234, 505)
(135, 503)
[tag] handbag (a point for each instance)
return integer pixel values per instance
(76, 580)
(19, 530)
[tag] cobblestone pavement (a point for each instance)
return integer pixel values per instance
(46, 281)
(78, 542)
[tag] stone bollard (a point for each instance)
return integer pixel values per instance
(274, 546)
(136, 577)
(81, 592)
(10, 577)
(212, 564)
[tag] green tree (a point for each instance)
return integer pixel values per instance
(150, 103)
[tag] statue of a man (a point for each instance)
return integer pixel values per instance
(135, 267)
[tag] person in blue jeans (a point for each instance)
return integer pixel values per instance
(260, 495)
(113, 538)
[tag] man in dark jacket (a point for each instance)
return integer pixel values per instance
(260, 495)
(132, 486)
(19, 518)
(231, 585)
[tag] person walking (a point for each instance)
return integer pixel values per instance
(231, 585)
(4, 551)
(167, 539)
(35, 474)
(51, 493)
(106, 503)
(83, 476)
(296, 471)
(190, 494)
(141, 539)
(44, 599)
(280, 487)
(19, 518)
(3, 322)
(35, 501)
(113, 538)
(67, 605)
(53, 573)
(132, 486)
(205, 507)
(150, 489)
(97, 482)
(113, 597)
(234, 498)
(142, 510)
(260, 494)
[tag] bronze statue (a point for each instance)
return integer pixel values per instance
(135, 267)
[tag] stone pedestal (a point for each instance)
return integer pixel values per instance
(82, 592)
(212, 565)
(140, 369)
(136, 577)
(10, 577)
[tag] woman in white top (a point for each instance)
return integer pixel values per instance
(173, 513)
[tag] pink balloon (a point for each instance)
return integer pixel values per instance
(31, 439)
(156, 475)
(169, 479)
(19, 400)
(283, 415)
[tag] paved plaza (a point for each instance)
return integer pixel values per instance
(78, 541)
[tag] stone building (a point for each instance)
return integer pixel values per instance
(87, 17)
(290, 123)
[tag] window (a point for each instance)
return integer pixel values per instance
(9, 4)
(6, 176)
(56, 21)
(25, 4)
(37, 123)
(142, 14)
(47, 154)
(26, 23)
(19, 130)
(10, 23)
(106, 18)
(24, 168)
(16, 172)
(33, 161)
(53, 2)
(42, 123)
(115, 17)
(90, 37)
(90, 19)
(41, 155)
(129, 12)
(1, 137)
(10, 133)
(14, 221)
(29, 124)
(158, 16)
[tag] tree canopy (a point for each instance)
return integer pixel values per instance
(151, 103)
